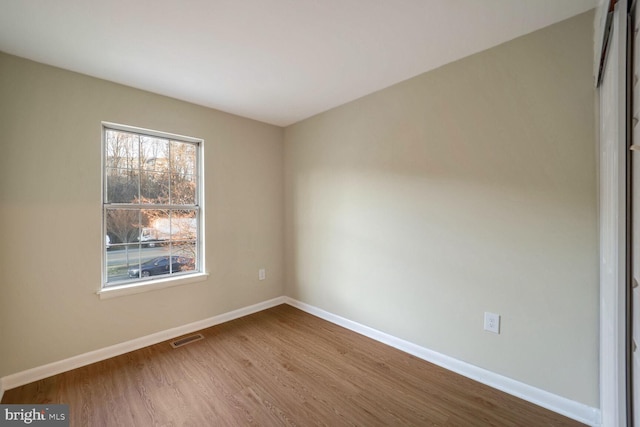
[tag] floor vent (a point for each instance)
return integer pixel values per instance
(186, 340)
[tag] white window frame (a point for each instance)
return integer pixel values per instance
(134, 286)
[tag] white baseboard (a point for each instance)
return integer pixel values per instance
(569, 408)
(40, 372)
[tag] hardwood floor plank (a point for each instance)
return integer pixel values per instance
(278, 367)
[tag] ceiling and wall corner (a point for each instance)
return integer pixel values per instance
(277, 61)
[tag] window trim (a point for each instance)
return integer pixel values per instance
(161, 282)
(151, 285)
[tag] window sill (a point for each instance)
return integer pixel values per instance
(137, 288)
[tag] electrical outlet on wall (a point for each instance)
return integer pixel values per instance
(492, 322)
(262, 274)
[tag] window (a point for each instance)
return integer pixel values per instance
(151, 206)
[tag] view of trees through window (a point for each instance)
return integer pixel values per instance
(151, 210)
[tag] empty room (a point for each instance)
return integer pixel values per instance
(306, 212)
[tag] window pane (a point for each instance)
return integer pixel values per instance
(154, 187)
(122, 185)
(121, 150)
(123, 225)
(155, 227)
(123, 164)
(183, 173)
(183, 158)
(183, 189)
(121, 258)
(186, 254)
(155, 154)
(184, 224)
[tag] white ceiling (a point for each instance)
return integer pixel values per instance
(278, 61)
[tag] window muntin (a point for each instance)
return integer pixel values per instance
(151, 205)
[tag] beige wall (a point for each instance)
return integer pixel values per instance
(50, 214)
(467, 189)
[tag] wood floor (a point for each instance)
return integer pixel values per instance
(277, 367)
